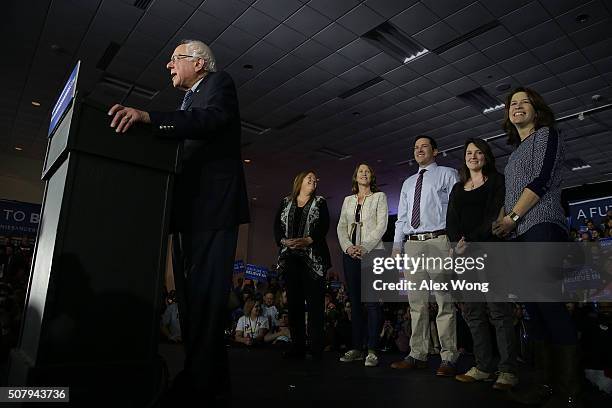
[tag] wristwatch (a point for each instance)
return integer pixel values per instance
(514, 216)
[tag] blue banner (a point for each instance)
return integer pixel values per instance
(594, 209)
(238, 266)
(64, 99)
(257, 273)
(18, 219)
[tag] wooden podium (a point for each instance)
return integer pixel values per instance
(94, 296)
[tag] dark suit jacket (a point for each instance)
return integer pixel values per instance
(210, 192)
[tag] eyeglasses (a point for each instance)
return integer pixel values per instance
(177, 57)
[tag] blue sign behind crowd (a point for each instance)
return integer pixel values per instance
(257, 273)
(594, 209)
(18, 219)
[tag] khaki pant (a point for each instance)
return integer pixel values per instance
(419, 302)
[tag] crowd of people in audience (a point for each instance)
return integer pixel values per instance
(15, 261)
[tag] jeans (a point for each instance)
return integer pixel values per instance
(477, 319)
(352, 274)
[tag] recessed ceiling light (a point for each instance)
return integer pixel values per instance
(493, 108)
(416, 55)
(582, 18)
(502, 87)
(35, 103)
(18, 148)
(586, 166)
(247, 66)
(247, 160)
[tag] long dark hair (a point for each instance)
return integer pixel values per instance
(373, 186)
(544, 116)
(489, 166)
(297, 184)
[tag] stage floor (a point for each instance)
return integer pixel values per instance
(260, 377)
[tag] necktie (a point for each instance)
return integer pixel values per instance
(416, 207)
(187, 99)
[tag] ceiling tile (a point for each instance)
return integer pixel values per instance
(444, 8)
(519, 62)
(532, 74)
(400, 75)
(285, 38)
(171, 10)
(389, 8)
(557, 7)
(500, 8)
(601, 31)
(381, 63)
(225, 10)
(415, 19)
(436, 35)
(356, 76)
(491, 37)
(504, 50)
(444, 75)
(567, 62)
(334, 36)
(554, 49)
(333, 9)
(595, 11)
(471, 63)
(469, 18)
(488, 75)
(361, 19)
(461, 85)
(540, 34)
(308, 21)
(311, 52)
(359, 51)
(598, 49)
(255, 22)
(236, 39)
(277, 9)
(426, 63)
(336, 64)
(205, 26)
(458, 52)
(418, 86)
(524, 18)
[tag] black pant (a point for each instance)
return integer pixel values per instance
(206, 260)
(304, 285)
(361, 337)
(549, 321)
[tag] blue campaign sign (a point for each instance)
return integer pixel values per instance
(594, 209)
(239, 266)
(255, 272)
(17, 218)
(64, 100)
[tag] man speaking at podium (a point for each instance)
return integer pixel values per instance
(210, 202)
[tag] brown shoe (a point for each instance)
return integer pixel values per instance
(446, 369)
(409, 363)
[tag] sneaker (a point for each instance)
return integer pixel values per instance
(473, 375)
(446, 369)
(371, 360)
(352, 355)
(505, 381)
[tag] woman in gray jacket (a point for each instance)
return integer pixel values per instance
(363, 222)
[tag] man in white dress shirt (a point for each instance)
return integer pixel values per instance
(420, 230)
